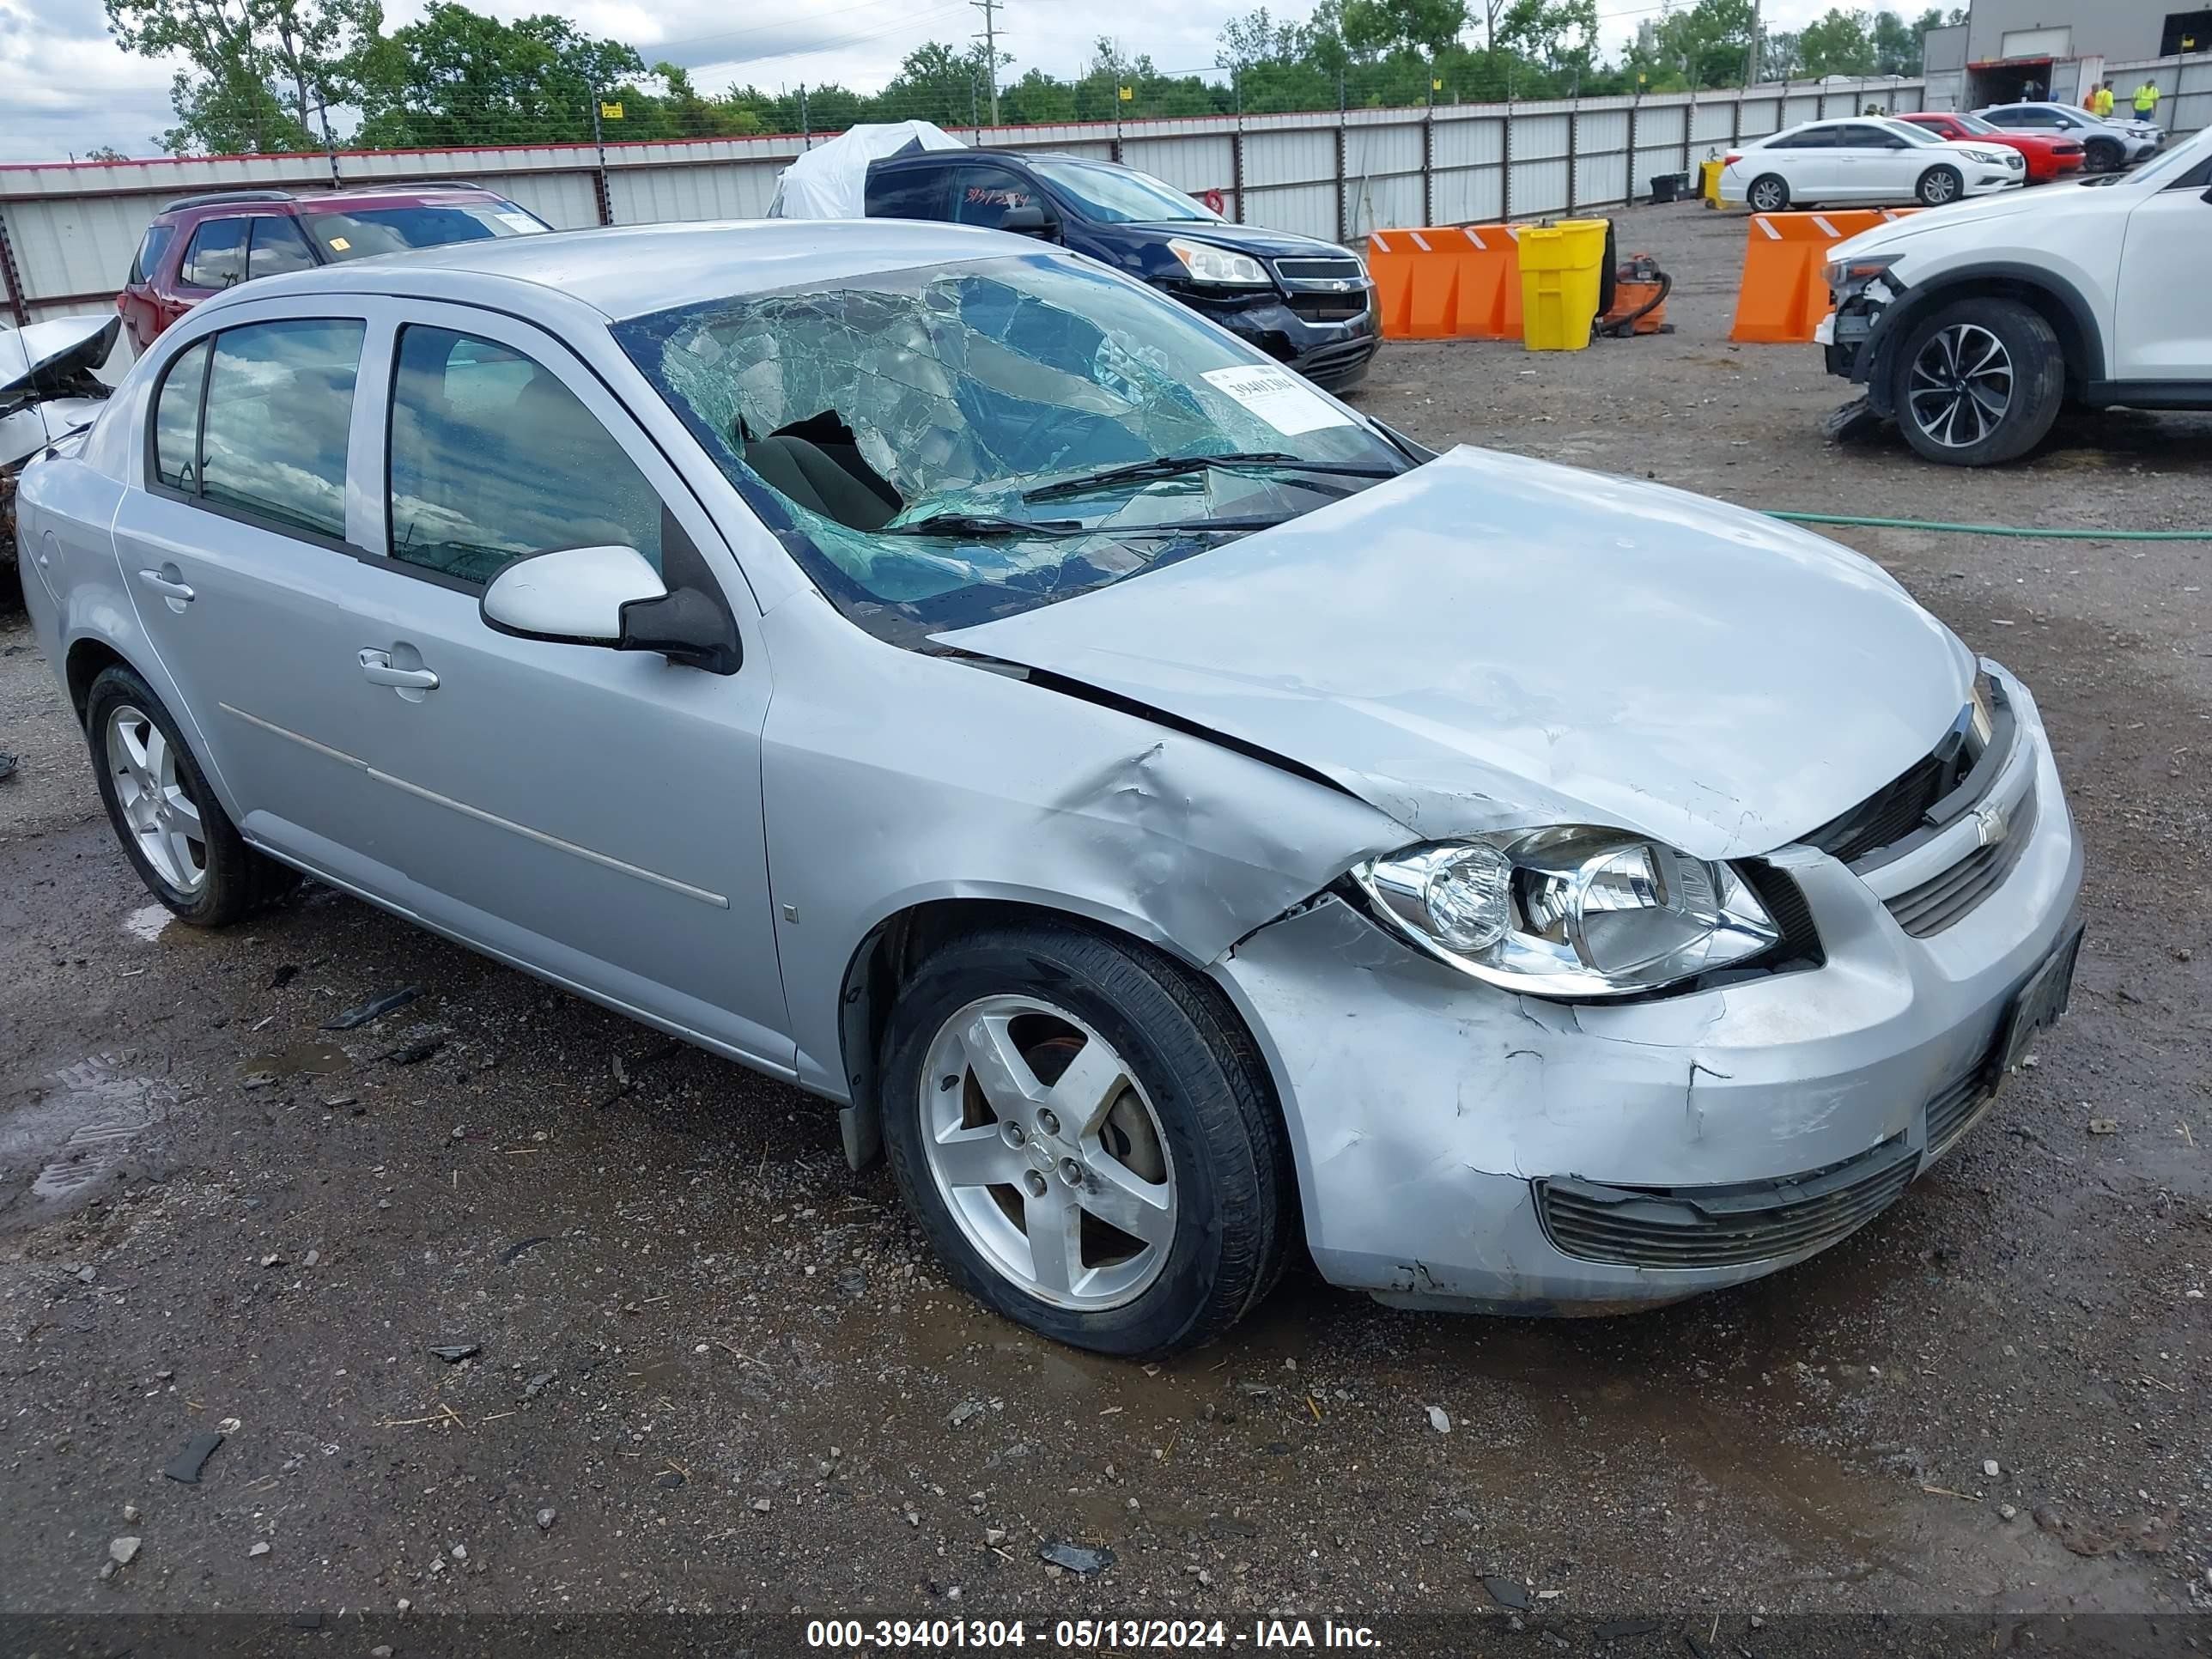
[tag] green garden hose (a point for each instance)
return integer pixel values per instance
(2025, 531)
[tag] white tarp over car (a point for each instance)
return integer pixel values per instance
(830, 181)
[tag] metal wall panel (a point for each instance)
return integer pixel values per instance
(1539, 188)
(73, 229)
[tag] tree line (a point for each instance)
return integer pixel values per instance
(278, 76)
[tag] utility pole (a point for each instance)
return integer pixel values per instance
(990, 10)
(1750, 51)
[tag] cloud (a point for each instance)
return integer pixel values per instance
(71, 89)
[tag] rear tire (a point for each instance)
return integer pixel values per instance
(1769, 193)
(172, 828)
(1939, 185)
(1978, 382)
(1018, 1197)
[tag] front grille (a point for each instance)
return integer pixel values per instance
(1954, 1109)
(1730, 1226)
(1328, 308)
(1336, 270)
(1890, 813)
(1951, 895)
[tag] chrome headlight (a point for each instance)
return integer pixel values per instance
(1572, 911)
(1207, 263)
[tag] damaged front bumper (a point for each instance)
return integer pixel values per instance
(1331, 349)
(1459, 1145)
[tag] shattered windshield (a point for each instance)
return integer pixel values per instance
(925, 440)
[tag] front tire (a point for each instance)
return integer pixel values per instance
(172, 828)
(1086, 1136)
(2102, 156)
(1769, 193)
(1978, 382)
(1938, 186)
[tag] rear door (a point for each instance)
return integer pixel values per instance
(1807, 158)
(233, 552)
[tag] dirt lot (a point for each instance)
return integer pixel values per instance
(715, 1372)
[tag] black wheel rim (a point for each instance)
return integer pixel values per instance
(1961, 385)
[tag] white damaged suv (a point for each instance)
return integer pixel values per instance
(1973, 327)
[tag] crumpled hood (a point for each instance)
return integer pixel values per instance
(1489, 640)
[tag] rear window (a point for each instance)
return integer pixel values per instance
(360, 232)
(147, 260)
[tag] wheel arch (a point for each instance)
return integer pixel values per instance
(2057, 299)
(890, 953)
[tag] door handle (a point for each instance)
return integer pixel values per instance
(376, 668)
(167, 586)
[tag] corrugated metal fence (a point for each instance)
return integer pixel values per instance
(68, 232)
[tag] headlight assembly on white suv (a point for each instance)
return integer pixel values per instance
(1218, 265)
(1571, 911)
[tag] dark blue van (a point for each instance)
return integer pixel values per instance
(1304, 303)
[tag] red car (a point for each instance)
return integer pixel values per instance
(2049, 155)
(201, 245)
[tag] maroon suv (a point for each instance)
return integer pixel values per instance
(201, 245)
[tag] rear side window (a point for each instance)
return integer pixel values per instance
(1815, 139)
(278, 410)
(910, 193)
(147, 260)
(177, 421)
(494, 459)
(277, 246)
(216, 257)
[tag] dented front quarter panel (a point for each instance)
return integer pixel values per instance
(892, 778)
(1422, 1104)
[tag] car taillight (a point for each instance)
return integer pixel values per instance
(1731, 158)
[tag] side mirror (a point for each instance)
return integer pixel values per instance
(611, 597)
(1029, 220)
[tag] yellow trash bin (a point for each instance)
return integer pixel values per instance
(1561, 271)
(1709, 181)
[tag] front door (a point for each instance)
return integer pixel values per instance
(593, 813)
(2164, 329)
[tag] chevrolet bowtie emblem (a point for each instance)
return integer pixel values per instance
(1990, 826)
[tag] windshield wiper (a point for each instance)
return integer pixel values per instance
(1171, 466)
(985, 526)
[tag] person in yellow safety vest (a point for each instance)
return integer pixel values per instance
(2100, 100)
(2147, 101)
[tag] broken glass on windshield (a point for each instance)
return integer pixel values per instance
(898, 417)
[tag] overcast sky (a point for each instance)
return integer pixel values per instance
(68, 88)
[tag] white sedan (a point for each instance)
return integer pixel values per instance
(1868, 159)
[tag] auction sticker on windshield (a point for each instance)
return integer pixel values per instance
(1279, 397)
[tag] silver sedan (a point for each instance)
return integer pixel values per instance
(1181, 820)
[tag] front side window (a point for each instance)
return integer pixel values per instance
(1117, 196)
(277, 247)
(493, 458)
(279, 408)
(360, 232)
(935, 437)
(216, 257)
(984, 195)
(177, 421)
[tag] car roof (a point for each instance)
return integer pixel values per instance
(397, 189)
(630, 270)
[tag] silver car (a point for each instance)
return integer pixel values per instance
(1177, 817)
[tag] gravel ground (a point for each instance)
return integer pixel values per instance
(712, 1368)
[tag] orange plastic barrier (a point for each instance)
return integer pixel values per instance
(1782, 297)
(1447, 282)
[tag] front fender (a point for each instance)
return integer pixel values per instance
(2070, 312)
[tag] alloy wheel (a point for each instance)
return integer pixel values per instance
(1047, 1152)
(1767, 197)
(1937, 188)
(1961, 385)
(156, 805)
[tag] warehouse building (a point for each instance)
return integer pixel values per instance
(2011, 49)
